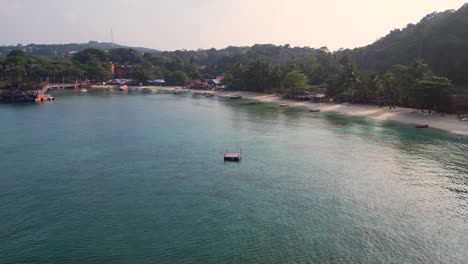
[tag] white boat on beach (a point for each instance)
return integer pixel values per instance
(83, 90)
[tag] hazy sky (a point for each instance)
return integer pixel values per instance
(193, 24)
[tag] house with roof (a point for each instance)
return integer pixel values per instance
(216, 83)
(212, 83)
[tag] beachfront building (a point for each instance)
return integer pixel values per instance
(461, 103)
(120, 71)
(200, 85)
(197, 84)
(213, 83)
(216, 83)
(206, 84)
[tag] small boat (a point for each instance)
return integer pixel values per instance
(236, 97)
(314, 110)
(148, 90)
(83, 90)
(49, 97)
(40, 98)
(123, 88)
(422, 126)
(209, 95)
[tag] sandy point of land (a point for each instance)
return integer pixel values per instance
(409, 116)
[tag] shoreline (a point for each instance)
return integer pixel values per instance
(409, 116)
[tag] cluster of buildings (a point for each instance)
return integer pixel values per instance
(207, 84)
(123, 73)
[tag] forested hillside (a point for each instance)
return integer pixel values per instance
(440, 39)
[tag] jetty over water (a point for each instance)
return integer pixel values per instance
(33, 94)
(48, 86)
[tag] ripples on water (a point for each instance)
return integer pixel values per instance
(139, 179)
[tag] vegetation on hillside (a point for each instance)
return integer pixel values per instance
(440, 39)
(403, 68)
(64, 50)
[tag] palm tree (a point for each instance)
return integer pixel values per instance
(391, 89)
(375, 86)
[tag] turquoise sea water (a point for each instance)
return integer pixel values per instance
(111, 178)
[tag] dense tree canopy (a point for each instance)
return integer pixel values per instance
(432, 93)
(295, 82)
(176, 78)
(440, 39)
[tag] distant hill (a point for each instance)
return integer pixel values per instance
(60, 50)
(277, 54)
(441, 39)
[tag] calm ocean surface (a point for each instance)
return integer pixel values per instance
(111, 178)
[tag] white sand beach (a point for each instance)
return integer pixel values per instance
(449, 123)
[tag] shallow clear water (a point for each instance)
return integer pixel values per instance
(110, 178)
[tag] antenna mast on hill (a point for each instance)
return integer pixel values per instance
(112, 38)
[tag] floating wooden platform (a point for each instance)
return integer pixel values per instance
(230, 156)
(422, 126)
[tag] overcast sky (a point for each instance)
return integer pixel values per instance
(193, 24)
